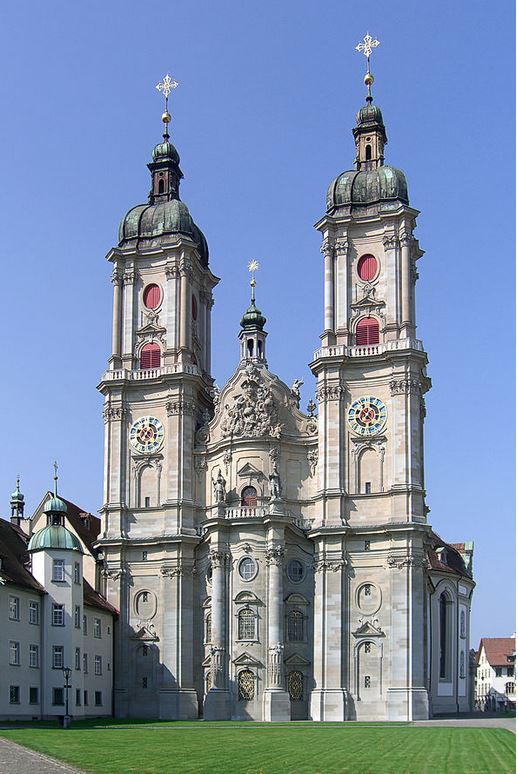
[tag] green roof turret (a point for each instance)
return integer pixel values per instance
(54, 536)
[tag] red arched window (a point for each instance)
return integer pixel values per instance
(249, 497)
(367, 267)
(368, 331)
(151, 296)
(150, 356)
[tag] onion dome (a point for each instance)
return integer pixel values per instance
(253, 318)
(55, 505)
(165, 150)
(52, 537)
(370, 186)
(17, 497)
(369, 115)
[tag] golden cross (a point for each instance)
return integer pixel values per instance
(165, 86)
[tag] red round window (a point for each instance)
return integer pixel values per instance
(194, 307)
(367, 267)
(151, 296)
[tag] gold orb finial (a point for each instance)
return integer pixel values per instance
(166, 117)
(369, 79)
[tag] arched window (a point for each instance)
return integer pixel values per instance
(295, 626)
(295, 685)
(367, 267)
(208, 628)
(150, 356)
(367, 332)
(208, 682)
(246, 624)
(161, 186)
(444, 636)
(246, 685)
(249, 497)
(368, 152)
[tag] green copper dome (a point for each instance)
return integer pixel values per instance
(165, 150)
(369, 186)
(54, 537)
(253, 317)
(55, 505)
(369, 114)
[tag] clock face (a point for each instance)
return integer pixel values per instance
(147, 434)
(367, 415)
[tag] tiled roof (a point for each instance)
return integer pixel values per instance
(85, 524)
(450, 559)
(13, 553)
(497, 650)
(94, 599)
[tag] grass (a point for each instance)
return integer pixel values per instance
(259, 748)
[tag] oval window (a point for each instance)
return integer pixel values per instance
(247, 568)
(367, 267)
(295, 571)
(194, 306)
(151, 296)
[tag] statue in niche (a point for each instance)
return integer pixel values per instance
(275, 483)
(219, 488)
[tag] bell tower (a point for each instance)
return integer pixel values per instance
(371, 379)
(157, 392)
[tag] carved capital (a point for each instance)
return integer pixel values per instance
(175, 571)
(117, 277)
(110, 413)
(329, 392)
(406, 239)
(218, 558)
(405, 387)
(275, 555)
(313, 460)
(408, 560)
(390, 241)
(130, 276)
(171, 272)
(326, 248)
(341, 246)
(180, 406)
(329, 565)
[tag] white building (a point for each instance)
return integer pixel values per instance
(495, 686)
(271, 563)
(52, 616)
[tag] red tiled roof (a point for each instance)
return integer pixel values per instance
(497, 649)
(13, 553)
(94, 599)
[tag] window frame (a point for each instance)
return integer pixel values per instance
(58, 608)
(14, 608)
(244, 627)
(58, 656)
(56, 692)
(14, 653)
(58, 571)
(34, 612)
(34, 655)
(14, 694)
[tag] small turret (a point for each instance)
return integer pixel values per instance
(17, 504)
(252, 335)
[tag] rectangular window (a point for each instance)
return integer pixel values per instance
(14, 694)
(368, 487)
(367, 681)
(498, 671)
(14, 608)
(58, 656)
(85, 698)
(34, 656)
(144, 556)
(367, 545)
(58, 695)
(97, 628)
(77, 658)
(510, 671)
(85, 663)
(98, 699)
(78, 697)
(58, 615)
(34, 695)
(147, 502)
(98, 665)
(77, 572)
(77, 616)
(34, 612)
(14, 653)
(85, 626)
(58, 570)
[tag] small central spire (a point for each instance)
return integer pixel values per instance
(365, 47)
(252, 268)
(253, 335)
(55, 479)
(165, 86)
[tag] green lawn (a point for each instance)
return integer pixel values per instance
(260, 748)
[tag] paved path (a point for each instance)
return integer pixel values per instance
(15, 759)
(478, 722)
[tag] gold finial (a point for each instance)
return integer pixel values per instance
(165, 87)
(55, 479)
(252, 268)
(365, 47)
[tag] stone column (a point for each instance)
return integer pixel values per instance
(342, 284)
(276, 701)
(115, 361)
(329, 292)
(172, 307)
(129, 289)
(407, 242)
(392, 319)
(184, 310)
(217, 701)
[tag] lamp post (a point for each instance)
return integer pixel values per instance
(66, 674)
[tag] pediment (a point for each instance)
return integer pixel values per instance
(296, 660)
(151, 329)
(145, 634)
(246, 659)
(249, 471)
(296, 599)
(247, 598)
(368, 630)
(368, 301)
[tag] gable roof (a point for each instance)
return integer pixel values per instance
(92, 598)
(451, 558)
(499, 650)
(13, 553)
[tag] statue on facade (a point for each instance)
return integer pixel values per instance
(275, 483)
(219, 488)
(295, 391)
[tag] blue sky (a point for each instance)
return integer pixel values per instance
(262, 121)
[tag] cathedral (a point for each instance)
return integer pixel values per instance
(270, 563)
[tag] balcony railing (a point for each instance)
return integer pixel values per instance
(341, 350)
(245, 512)
(150, 373)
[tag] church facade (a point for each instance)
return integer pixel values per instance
(270, 563)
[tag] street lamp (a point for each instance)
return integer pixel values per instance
(66, 674)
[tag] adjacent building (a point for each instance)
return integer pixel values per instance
(495, 686)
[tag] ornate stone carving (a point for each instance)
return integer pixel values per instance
(202, 435)
(406, 239)
(130, 276)
(275, 555)
(275, 483)
(390, 241)
(227, 459)
(171, 272)
(117, 277)
(326, 248)
(311, 426)
(217, 657)
(329, 565)
(311, 408)
(175, 571)
(218, 558)
(180, 406)
(219, 486)
(405, 386)
(254, 413)
(409, 560)
(313, 460)
(295, 391)
(341, 246)
(200, 464)
(275, 664)
(329, 392)
(110, 413)
(113, 574)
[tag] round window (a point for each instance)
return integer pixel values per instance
(295, 570)
(247, 568)
(367, 267)
(151, 296)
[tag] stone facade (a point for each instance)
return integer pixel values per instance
(270, 563)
